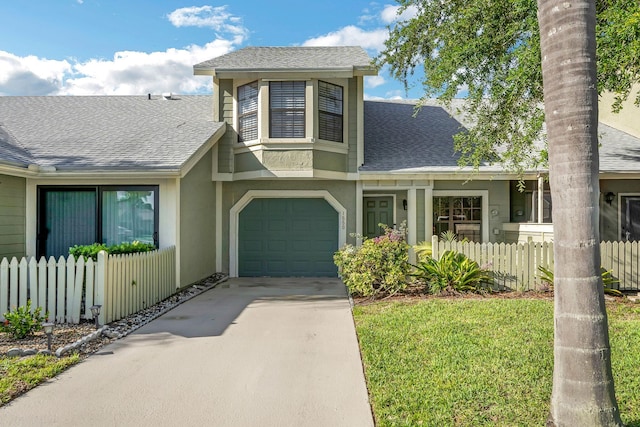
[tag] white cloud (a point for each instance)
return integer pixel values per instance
(373, 81)
(390, 14)
(31, 75)
(352, 36)
(128, 73)
(216, 18)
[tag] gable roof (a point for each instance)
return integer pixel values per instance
(353, 59)
(80, 133)
(397, 140)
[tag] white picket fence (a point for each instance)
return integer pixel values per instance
(515, 265)
(67, 288)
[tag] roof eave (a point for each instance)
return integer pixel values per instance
(345, 72)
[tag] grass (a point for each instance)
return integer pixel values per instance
(18, 375)
(478, 362)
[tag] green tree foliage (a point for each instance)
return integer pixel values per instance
(491, 50)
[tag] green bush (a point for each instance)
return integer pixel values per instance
(379, 267)
(21, 322)
(91, 251)
(608, 280)
(453, 272)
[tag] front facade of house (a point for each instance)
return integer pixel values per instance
(285, 163)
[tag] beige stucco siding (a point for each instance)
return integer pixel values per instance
(343, 191)
(197, 223)
(12, 216)
(324, 160)
(627, 119)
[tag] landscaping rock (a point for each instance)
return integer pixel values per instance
(14, 352)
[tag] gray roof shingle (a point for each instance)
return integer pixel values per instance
(291, 59)
(104, 132)
(396, 140)
(619, 151)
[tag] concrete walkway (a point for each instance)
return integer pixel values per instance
(251, 352)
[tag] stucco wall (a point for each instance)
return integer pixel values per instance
(197, 223)
(627, 119)
(343, 191)
(12, 216)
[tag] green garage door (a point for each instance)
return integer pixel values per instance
(287, 238)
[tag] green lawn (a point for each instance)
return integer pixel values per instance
(17, 375)
(478, 362)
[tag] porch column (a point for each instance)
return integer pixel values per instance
(540, 199)
(428, 214)
(359, 213)
(412, 222)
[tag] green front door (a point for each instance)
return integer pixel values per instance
(287, 238)
(377, 210)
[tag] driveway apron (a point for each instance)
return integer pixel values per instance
(250, 352)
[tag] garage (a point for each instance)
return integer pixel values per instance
(293, 237)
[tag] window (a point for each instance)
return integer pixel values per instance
(287, 105)
(330, 111)
(128, 215)
(84, 215)
(524, 204)
(630, 218)
(461, 215)
(248, 112)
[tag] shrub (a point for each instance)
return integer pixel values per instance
(379, 267)
(423, 250)
(453, 272)
(21, 322)
(91, 251)
(608, 280)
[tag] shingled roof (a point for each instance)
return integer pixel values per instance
(104, 132)
(397, 140)
(294, 59)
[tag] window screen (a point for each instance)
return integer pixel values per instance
(287, 105)
(330, 111)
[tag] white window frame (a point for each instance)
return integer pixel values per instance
(484, 194)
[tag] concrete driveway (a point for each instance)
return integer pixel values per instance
(251, 352)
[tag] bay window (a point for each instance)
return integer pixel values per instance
(330, 111)
(248, 112)
(287, 109)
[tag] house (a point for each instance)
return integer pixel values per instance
(281, 166)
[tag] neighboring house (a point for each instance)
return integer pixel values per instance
(270, 175)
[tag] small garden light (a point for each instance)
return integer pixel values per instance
(48, 329)
(95, 311)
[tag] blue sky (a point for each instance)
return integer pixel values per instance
(133, 47)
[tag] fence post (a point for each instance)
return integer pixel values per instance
(4, 287)
(100, 283)
(434, 247)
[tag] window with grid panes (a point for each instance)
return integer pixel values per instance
(287, 109)
(330, 115)
(461, 215)
(248, 112)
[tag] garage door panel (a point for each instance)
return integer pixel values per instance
(298, 238)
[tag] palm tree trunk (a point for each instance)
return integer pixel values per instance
(583, 390)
